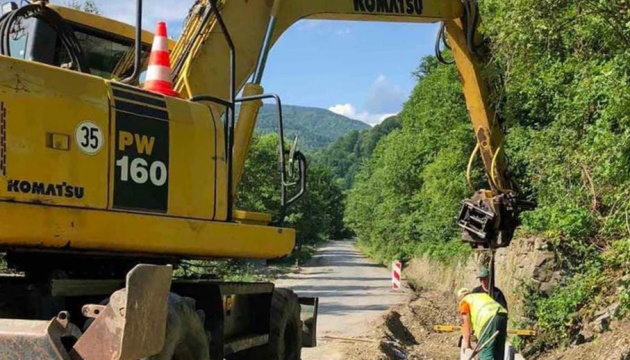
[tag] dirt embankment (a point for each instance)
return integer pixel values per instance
(406, 332)
(611, 345)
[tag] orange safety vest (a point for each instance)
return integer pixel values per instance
(482, 309)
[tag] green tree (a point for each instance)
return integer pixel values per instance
(346, 155)
(406, 195)
(88, 6)
(317, 216)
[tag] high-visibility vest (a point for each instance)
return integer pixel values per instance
(482, 309)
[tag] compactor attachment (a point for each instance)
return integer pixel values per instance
(131, 326)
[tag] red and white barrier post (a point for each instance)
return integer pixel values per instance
(396, 274)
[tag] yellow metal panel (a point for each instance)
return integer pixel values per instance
(40, 100)
(111, 231)
(409, 11)
(221, 168)
(482, 115)
(248, 217)
(192, 153)
(59, 141)
(209, 73)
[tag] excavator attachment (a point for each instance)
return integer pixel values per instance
(131, 326)
(29, 339)
(489, 221)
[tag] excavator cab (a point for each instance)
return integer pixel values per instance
(100, 46)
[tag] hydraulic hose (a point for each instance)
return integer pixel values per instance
(441, 39)
(52, 18)
(471, 22)
(469, 167)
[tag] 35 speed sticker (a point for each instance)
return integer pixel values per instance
(89, 137)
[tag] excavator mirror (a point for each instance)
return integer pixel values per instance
(8, 7)
(292, 156)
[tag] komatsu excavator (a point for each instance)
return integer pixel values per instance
(105, 187)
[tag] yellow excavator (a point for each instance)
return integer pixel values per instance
(105, 187)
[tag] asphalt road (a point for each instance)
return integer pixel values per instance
(353, 292)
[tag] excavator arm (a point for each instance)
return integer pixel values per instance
(202, 67)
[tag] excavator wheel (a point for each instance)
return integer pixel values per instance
(186, 338)
(285, 336)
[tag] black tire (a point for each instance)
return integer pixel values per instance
(186, 338)
(285, 333)
(285, 336)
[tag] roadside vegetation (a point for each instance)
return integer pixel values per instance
(405, 197)
(317, 216)
(560, 70)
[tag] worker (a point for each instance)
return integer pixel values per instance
(482, 316)
(484, 281)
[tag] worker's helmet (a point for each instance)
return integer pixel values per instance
(462, 292)
(483, 273)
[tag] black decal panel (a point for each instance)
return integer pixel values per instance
(141, 154)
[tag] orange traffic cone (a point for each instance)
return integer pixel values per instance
(158, 78)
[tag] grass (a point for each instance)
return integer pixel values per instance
(238, 270)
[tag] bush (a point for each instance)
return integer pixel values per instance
(565, 103)
(317, 216)
(407, 193)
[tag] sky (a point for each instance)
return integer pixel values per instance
(362, 70)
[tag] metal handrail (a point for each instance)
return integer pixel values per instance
(229, 123)
(138, 43)
(283, 169)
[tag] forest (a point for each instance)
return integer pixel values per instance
(559, 71)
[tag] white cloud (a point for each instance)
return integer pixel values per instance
(384, 99)
(384, 96)
(305, 25)
(351, 111)
(328, 28)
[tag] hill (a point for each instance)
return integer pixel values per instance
(317, 128)
(345, 156)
